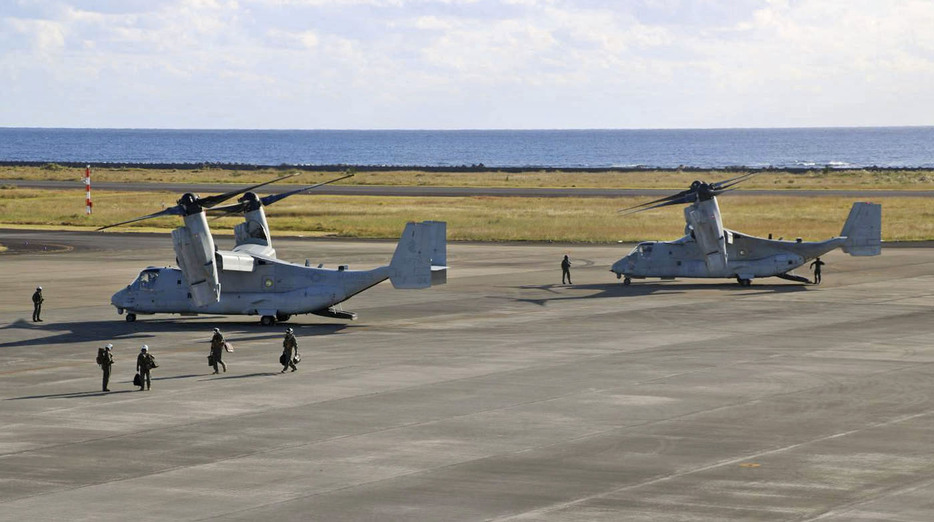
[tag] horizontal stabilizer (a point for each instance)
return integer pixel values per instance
(863, 230)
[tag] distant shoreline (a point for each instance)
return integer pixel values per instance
(458, 168)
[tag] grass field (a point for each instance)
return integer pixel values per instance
(817, 179)
(586, 220)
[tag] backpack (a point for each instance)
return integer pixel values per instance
(100, 356)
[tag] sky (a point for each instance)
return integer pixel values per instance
(466, 64)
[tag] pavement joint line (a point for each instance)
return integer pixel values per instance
(736, 460)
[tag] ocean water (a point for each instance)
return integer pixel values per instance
(711, 148)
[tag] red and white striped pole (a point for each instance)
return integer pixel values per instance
(87, 186)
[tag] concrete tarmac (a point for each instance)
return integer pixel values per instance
(502, 395)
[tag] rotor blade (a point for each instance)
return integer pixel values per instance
(722, 191)
(272, 198)
(682, 201)
(220, 212)
(211, 201)
(673, 197)
(733, 181)
(171, 211)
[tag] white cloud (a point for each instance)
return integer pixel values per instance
(466, 63)
(303, 39)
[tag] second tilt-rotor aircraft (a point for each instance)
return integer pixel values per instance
(708, 250)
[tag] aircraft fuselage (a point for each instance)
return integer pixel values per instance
(748, 257)
(270, 287)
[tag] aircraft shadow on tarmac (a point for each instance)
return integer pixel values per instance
(602, 291)
(143, 331)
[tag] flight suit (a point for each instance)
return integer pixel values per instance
(289, 349)
(144, 363)
(106, 363)
(816, 266)
(217, 351)
(566, 270)
(37, 305)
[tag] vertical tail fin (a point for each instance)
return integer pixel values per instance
(420, 256)
(863, 230)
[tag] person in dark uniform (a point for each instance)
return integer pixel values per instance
(217, 350)
(566, 270)
(816, 266)
(105, 358)
(289, 351)
(37, 304)
(144, 363)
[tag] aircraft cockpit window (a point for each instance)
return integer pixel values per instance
(147, 279)
(645, 250)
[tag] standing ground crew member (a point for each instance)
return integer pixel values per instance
(816, 266)
(289, 351)
(105, 358)
(145, 362)
(566, 270)
(217, 350)
(37, 304)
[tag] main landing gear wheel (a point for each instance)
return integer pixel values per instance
(743, 282)
(282, 317)
(627, 281)
(130, 317)
(267, 320)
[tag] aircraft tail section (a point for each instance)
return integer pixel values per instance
(420, 257)
(863, 230)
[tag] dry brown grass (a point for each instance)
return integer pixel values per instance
(833, 179)
(589, 220)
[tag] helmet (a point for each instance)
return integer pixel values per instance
(38, 288)
(288, 330)
(144, 348)
(109, 346)
(217, 330)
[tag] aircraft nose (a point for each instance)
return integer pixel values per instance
(118, 299)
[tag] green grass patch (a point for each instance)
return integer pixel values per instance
(481, 218)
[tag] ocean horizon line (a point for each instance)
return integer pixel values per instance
(498, 129)
(475, 168)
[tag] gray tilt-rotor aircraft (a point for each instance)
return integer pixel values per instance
(710, 251)
(250, 280)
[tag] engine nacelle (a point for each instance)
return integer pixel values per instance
(194, 249)
(704, 219)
